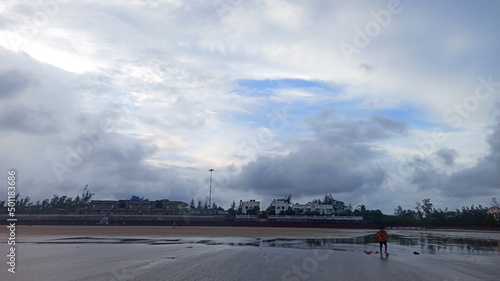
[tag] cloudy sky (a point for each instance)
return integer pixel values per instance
(381, 103)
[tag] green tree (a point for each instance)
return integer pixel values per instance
(329, 200)
(253, 211)
(494, 202)
(232, 210)
(240, 208)
(398, 211)
(289, 211)
(418, 207)
(361, 208)
(427, 207)
(86, 197)
(317, 201)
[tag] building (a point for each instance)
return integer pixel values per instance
(135, 207)
(495, 212)
(138, 207)
(101, 207)
(248, 205)
(279, 205)
(312, 207)
(167, 207)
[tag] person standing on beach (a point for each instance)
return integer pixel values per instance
(382, 239)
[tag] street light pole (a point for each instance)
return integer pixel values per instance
(210, 196)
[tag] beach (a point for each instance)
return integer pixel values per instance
(248, 253)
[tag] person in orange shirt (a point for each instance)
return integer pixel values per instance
(382, 239)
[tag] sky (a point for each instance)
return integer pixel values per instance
(380, 103)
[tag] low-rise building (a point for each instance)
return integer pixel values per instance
(167, 207)
(102, 207)
(312, 207)
(279, 205)
(248, 205)
(136, 207)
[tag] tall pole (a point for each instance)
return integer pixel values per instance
(210, 196)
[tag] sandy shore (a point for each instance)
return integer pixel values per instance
(166, 231)
(207, 231)
(119, 253)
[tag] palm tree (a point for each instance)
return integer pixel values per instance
(361, 208)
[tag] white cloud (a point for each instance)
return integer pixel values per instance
(165, 75)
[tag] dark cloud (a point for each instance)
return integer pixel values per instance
(332, 129)
(13, 82)
(447, 156)
(338, 159)
(480, 180)
(425, 175)
(27, 119)
(311, 170)
(58, 126)
(116, 167)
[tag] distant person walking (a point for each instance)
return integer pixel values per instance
(382, 239)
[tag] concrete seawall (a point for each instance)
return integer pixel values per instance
(184, 220)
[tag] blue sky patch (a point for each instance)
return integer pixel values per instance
(284, 83)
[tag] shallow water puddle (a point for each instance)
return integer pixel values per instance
(422, 242)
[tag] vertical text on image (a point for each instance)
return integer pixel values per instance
(11, 220)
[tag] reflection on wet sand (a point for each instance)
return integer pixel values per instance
(429, 243)
(436, 243)
(266, 254)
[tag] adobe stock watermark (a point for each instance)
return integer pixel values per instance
(225, 8)
(37, 21)
(121, 275)
(88, 142)
(309, 265)
(158, 73)
(454, 117)
(154, 4)
(372, 29)
(11, 220)
(133, 271)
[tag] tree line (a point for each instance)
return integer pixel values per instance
(26, 206)
(424, 213)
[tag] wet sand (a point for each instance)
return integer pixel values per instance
(186, 231)
(214, 253)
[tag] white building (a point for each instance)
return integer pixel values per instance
(495, 212)
(279, 205)
(311, 207)
(251, 204)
